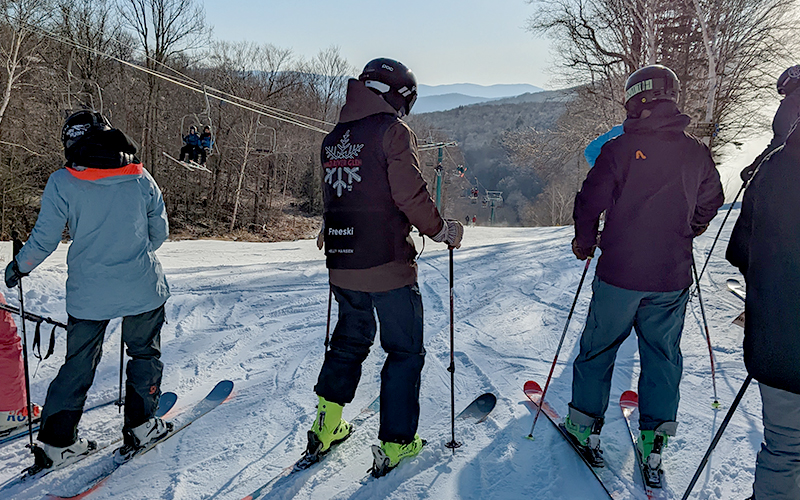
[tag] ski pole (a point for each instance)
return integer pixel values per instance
(719, 232)
(717, 436)
(328, 327)
(120, 401)
(17, 246)
(560, 343)
(453, 444)
(715, 404)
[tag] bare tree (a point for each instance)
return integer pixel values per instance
(18, 43)
(165, 30)
(720, 49)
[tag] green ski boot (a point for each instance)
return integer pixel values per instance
(584, 430)
(388, 455)
(329, 428)
(651, 444)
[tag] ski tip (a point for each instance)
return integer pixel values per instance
(531, 387)
(733, 283)
(629, 399)
(221, 391)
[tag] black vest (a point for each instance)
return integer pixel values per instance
(363, 226)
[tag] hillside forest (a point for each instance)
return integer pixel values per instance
(154, 68)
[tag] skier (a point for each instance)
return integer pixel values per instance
(592, 151)
(116, 219)
(764, 246)
(659, 188)
(474, 220)
(786, 117)
(191, 145)
(373, 192)
(205, 143)
(13, 398)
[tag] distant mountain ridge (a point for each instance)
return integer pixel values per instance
(444, 97)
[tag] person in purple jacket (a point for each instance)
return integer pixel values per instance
(659, 189)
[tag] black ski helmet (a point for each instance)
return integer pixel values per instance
(393, 81)
(80, 124)
(648, 84)
(789, 80)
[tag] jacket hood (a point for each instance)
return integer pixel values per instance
(664, 117)
(362, 102)
(106, 149)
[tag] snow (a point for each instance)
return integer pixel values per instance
(255, 313)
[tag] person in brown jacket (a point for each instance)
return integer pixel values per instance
(373, 193)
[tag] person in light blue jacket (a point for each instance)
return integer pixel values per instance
(116, 218)
(592, 151)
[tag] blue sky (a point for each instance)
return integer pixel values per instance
(442, 41)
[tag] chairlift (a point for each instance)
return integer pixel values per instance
(200, 121)
(88, 95)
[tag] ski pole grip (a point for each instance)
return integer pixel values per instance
(16, 244)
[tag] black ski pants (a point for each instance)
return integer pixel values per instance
(66, 395)
(400, 316)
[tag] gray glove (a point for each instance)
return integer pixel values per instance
(451, 233)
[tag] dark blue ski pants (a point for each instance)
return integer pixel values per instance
(657, 318)
(66, 395)
(400, 315)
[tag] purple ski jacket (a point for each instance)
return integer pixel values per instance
(659, 187)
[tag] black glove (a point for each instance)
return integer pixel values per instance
(13, 274)
(582, 253)
(698, 230)
(451, 233)
(748, 172)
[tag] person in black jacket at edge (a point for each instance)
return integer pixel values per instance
(785, 118)
(765, 246)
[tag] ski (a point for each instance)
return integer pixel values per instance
(629, 404)
(738, 290)
(165, 404)
(534, 393)
(22, 430)
(190, 165)
(305, 462)
(476, 412)
(108, 466)
(479, 409)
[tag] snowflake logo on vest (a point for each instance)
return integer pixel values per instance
(343, 160)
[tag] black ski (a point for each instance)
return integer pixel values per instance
(654, 482)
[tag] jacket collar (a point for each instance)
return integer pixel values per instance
(361, 102)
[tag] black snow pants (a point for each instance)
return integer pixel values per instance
(400, 316)
(66, 395)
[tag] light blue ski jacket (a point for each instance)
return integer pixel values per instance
(116, 220)
(592, 151)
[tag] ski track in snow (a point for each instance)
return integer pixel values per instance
(255, 313)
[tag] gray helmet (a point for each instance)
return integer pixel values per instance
(789, 80)
(648, 84)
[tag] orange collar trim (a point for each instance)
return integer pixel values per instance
(93, 174)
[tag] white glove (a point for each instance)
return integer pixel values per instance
(321, 237)
(451, 233)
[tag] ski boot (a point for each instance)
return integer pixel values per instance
(584, 430)
(651, 444)
(10, 420)
(388, 455)
(138, 437)
(328, 429)
(47, 456)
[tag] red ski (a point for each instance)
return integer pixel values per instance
(534, 393)
(629, 404)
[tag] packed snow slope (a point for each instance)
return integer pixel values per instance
(255, 313)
